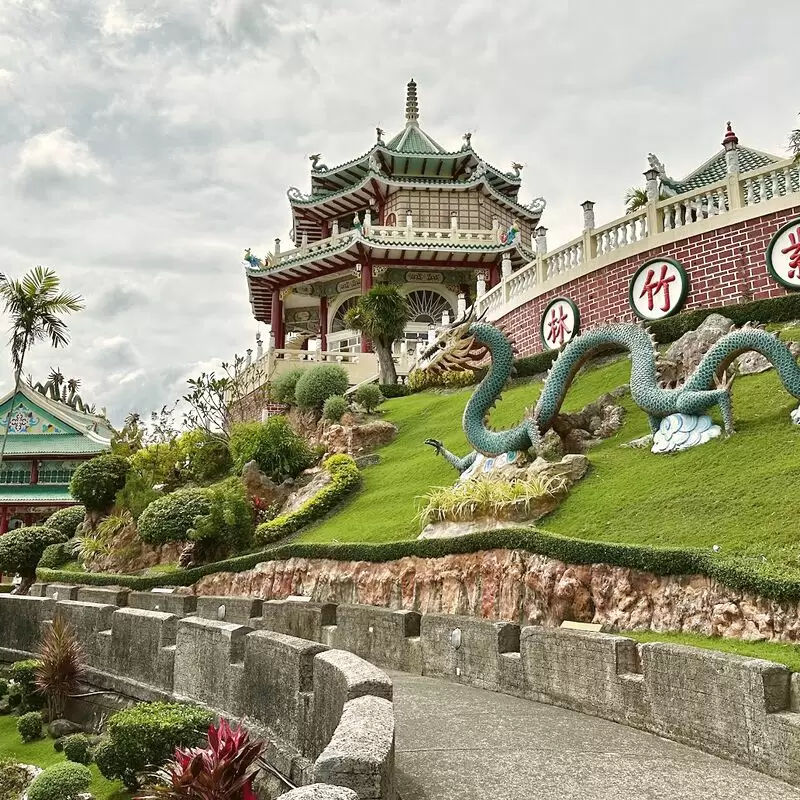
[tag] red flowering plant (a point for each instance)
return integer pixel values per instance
(263, 511)
(222, 771)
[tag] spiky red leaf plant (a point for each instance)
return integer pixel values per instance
(222, 771)
(62, 665)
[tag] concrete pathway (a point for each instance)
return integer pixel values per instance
(459, 743)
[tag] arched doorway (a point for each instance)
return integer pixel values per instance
(426, 307)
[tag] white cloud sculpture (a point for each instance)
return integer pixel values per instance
(682, 431)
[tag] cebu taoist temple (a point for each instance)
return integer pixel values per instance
(451, 230)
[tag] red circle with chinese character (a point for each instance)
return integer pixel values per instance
(783, 255)
(560, 323)
(658, 289)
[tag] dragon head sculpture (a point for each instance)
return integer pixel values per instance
(456, 347)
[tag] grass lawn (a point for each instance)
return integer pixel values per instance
(735, 493)
(786, 654)
(42, 754)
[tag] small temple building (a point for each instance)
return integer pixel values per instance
(442, 224)
(47, 440)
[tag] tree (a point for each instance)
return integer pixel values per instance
(381, 315)
(636, 199)
(35, 305)
(216, 403)
(794, 144)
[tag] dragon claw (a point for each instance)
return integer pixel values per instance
(436, 445)
(724, 382)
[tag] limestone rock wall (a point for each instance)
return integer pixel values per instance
(521, 587)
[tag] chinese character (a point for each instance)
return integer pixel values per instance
(652, 288)
(558, 329)
(794, 258)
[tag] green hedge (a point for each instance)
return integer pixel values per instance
(344, 478)
(739, 574)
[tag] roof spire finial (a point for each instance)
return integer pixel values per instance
(730, 137)
(412, 107)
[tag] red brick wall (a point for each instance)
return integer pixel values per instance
(725, 266)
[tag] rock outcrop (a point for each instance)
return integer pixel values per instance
(354, 434)
(526, 588)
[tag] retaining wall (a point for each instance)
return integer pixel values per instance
(326, 714)
(742, 709)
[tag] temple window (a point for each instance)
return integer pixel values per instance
(15, 472)
(56, 472)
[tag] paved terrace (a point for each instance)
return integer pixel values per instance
(455, 742)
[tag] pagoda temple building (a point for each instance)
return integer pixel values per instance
(443, 225)
(47, 440)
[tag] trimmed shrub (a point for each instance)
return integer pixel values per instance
(95, 483)
(369, 396)
(30, 726)
(273, 445)
(77, 748)
(281, 389)
(21, 549)
(56, 555)
(61, 782)
(148, 734)
(170, 518)
(14, 696)
(535, 365)
(23, 673)
(66, 520)
(319, 383)
(344, 478)
(389, 390)
(334, 408)
(3, 687)
(228, 523)
(206, 458)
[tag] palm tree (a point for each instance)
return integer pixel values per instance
(381, 315)
(35, 305)
(637, 198)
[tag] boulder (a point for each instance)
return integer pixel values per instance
(312, 481)
(578, 431)
(752, 363)
(59, 728)
(685, 354)
(259, 485)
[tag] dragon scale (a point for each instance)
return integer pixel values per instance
(703, 389)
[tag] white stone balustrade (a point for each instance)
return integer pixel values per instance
(736, 198)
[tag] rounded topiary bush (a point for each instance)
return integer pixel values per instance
(30, 726)
(61, 782)
(281, 389)
(369, 396)
(77, 748)
(319, 383)
(148, 734)
(273, 445)
(95, 483)
(334, 408)
(170, 518)
(229, 523)
(21, 549)
(67, 520)
(55, 555)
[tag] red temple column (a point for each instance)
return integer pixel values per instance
(3, 520)
(366, 285)
(323, 323)
(278, 330)
(494, 275)
(35, 471)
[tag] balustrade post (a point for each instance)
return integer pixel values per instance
(453, 220)
(654, 223)
(277, 250)
(541, 252)
(259, 346)
(461, 305)
(496, 229)
(588, 230)
(367, 220)
(731, 145)
(409, 219)
(304, 240)
(335, 228)
(481, 284)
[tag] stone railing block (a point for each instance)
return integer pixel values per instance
(466, 649)
(277, 683)
(300, 618)
(385, 637)
(236, 610)
(338, 678)
(112, 597)
(320, 791)
(182, 605)
(22, 619)
(360, 754)
(92, 625)
(204, 650)
(143, 646)
(62, 591)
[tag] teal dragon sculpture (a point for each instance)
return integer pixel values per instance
(465, 344)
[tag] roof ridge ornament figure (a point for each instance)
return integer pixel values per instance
(379, 132)
(467, 140)
(412, 105)
(479, 171)
(315, 165)
(374, 164)
(255, 263)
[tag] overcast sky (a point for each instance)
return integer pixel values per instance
(145, 143)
